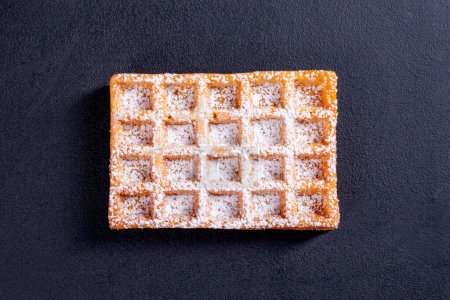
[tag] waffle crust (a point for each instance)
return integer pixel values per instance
(232, 151)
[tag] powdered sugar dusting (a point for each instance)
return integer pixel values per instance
(308, 95)
(136, 207)
(179, 204)
(267, 132)
(180, 97)
(220, 169)
(309, 132)
(224, 206)
(181, 134)
(267, 169)
(181, 169)
(138, 134)
(224, 151)
(136, 170)
(309, 204)
(224, 133)
(136, 97)
(309, 168)
(267, 94)
(223, 97)
(266, 204)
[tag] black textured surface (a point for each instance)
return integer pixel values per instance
(393, 63)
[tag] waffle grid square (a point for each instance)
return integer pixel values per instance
(232, 151)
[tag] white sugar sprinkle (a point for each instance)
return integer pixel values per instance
(266, 204)
(220, 169)
(224, 206)
(309, 168)
(308, 95)
(223, 98)
(267, 132)
(309, 132)
(267, 94)
(138, 134)
(136, 207)
(267, 169)
(179, 204)
(307, 205)
(136, 170)
(181, 169)
(180, 97)
(136, 98)
(181, 134)
(222, 134)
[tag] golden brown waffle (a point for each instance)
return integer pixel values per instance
(236, 151)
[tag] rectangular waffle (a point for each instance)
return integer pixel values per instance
(233, 151)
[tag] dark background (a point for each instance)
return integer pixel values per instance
(393, 63)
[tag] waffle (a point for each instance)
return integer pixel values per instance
(232, 151)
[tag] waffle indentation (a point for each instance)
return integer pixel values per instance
(224, 205)
(181, 134)
(179, 204)
(181, 169)
(309, 204)
(137, 97)
(267, 132)
(180, 97)
(136, 170)
(223, 169)
(267, 94)
(266, 204)
(309, 168)
(308, 95)
(223, 97)
(224, 134)
(309, 132)
(267, 169)
(136, 207)
(138, 134)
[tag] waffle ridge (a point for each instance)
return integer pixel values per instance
(231, 151)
